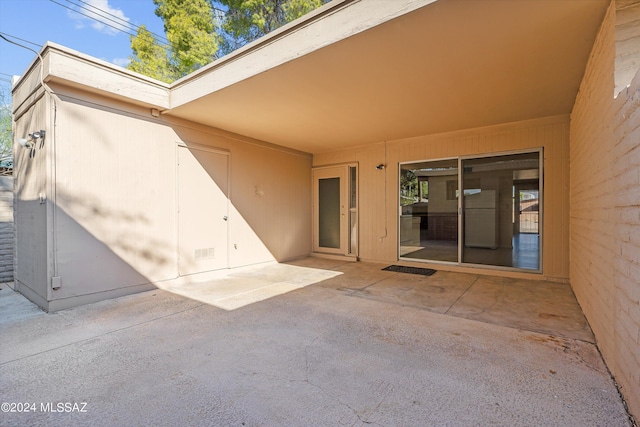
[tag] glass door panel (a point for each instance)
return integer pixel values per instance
(499, 195)
(329, 212)
(335, 216)
(353, 210)
(494, 220)
(429, 210)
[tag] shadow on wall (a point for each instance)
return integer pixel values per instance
(90, 267)
(121, 230)
(101, 248)
(207, 219)
(115, 210)
(269, 201)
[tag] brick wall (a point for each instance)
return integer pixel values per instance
(627, 41)
(605, 209)
(626, 217)
(6, 229)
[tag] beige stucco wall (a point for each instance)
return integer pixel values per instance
(115, 197)
(378, 189)
(113, 221)
(605, 211)
(30, 186)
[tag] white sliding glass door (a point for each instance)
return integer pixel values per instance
(495, 220)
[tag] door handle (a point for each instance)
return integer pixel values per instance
(225, 217)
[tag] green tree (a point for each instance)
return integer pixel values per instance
(199, 31)
(193, 41)
(150, 58)
(6, 135)
(248, 20)
(408, 187)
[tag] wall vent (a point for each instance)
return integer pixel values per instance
(205, 253)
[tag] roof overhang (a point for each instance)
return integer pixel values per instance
(64, 66)
(368, 71)
(356, 72)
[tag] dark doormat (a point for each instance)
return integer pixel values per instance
(410, 270)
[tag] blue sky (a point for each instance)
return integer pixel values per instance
(39, 21)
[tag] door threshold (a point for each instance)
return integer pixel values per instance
(335, 257)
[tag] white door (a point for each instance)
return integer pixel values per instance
(203, 209)
(335, 210)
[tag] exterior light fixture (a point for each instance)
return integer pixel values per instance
(25, 142)
(36, 135)
(380, 166)
(33, 136)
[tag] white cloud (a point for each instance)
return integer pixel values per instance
(122, 62)
(100, 16)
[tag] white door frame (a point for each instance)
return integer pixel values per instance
(346, 213)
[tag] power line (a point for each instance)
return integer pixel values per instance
(2, 36)
(100, 13)
(18, 38)
(159, 40)
(117, 20)
(108, 25)
(156, 35)
(123, 21)
(44, 85)
(80, 13)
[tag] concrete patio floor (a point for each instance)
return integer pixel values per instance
(311, 342)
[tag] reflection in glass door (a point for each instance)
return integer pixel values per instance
(429, 210)
(499, 193)
(493, 221)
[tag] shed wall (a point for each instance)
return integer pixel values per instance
(115, 199)
(115, 206)
(31, 210)
(605, 211)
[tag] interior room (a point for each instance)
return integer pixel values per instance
(494, 221)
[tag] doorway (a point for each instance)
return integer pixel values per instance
(335, 213)
(494, 220)
(203, 209)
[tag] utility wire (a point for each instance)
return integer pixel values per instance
(2, 36)
(85, 5)
(124, 24)
(18, 38)
(108, 25)
(44, 85)
(219, 15)
(83, 14)
(116, 19)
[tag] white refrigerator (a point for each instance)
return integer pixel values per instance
(481, 220)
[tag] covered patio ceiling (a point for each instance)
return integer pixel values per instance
(432, 67)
